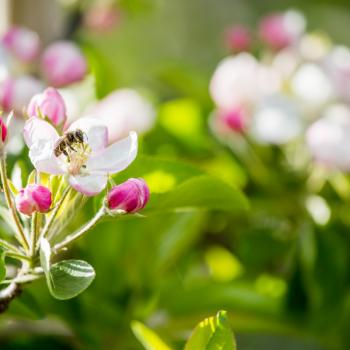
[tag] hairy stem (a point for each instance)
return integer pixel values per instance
(7, 294)
(21, 236)
(79, 233)
(34, 233)
(9, 246)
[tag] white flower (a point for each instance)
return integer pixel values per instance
(276, 121)
(328, 138)
(234, 81)
(337, 66)
(311, 85)
(89, 163)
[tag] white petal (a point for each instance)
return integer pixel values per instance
(88, 184)
(37, 130)
(42, 155)
(114, 158)
(96, 132)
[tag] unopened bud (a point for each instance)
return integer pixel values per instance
(23, 43)
(238, 38)
(3, 129)
(130, 196)
(50, 104)
(33, 198)
(63, 63)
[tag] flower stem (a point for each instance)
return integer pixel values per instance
(79, 233)
(53, 215)
(17, 256)
(21, 236)
(9, 246)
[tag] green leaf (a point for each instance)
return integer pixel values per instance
(8, 219)
(183, 119)
(147, 337)
(214, 333)
(200, 192)
(160, 174)
(68, 278)
(65, 279)
(2, 265)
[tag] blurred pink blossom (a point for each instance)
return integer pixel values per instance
(63, 63)
(234, 119)
(328, 138)
(23, 43)
(280, 30)
(102, 18)
(234, 81)
(238, 38)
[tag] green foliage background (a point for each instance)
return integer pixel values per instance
(200, 247)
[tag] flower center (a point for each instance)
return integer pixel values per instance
(77, 158)
(75, 151)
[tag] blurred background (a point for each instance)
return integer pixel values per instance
(279, 130)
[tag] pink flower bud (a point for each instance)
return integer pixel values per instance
(50, 104)
(63, 63)
(3, 130)
(234, 119)
(280, 30)
(238, 38)
(131, 196)
(102, 18)
(33, 198)
(23, 43)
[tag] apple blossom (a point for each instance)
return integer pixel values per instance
(328, 138)
(50, 104)
(130, 196)
(280, 30)
(276, 120)
(23, 43)
(102, 18)
(63, 63)
(311, 85)
(234, 119)
(238, 38)
(337, 67)
(124, 110)
(234, 81)
(33, 198)
(87, 165)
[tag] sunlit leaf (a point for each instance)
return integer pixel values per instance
(65, 279)
(147, 337)
(200, 192)
(68, 278)
(182, 118)
(214, 333)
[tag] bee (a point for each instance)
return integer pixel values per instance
(66, 143)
